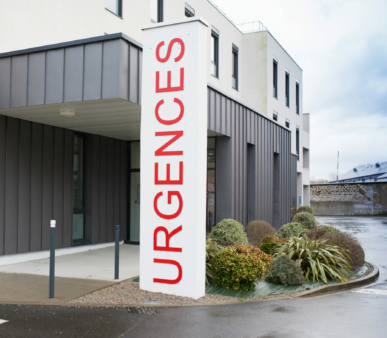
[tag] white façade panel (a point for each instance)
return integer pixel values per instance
(173, 158)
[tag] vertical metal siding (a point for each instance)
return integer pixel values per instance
(36, 185)
(244, 126)
(98, 70)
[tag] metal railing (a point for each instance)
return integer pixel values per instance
(250, 27)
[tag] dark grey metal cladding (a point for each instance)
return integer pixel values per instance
(36, 185)
(100, 69)
(293, 169)
(245, 156)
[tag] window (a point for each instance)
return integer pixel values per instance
(275, 115)
(114, 6)
(298, 144)
(287, 123)
(275, 82)
(211, 142)
(215, 53)
(157, 10)
(234, 79)
(297, 98)
(78, 186)
(287, 99)
(189, 11)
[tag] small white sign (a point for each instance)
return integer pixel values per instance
(2, 321)
(174, 158)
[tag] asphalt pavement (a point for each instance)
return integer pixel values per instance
(348, 314)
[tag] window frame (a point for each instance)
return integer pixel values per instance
(275, 78)
(287, 89)
(298, 143)
(275, 116)
(119, 14)
(297, 98)
(189, 12)
(235, 55)
(160, 11)
(215, 35)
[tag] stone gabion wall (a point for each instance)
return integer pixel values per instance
(360, 194)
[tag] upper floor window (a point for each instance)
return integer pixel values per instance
(297, 98)
(189, 11)
(235, 51)
(287, 98)
(275, 82)
(215, 53)
(298, 144)
(275, 115)
(287, 123)
(114, 6)
(157, 10)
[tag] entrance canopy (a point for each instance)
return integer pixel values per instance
(97, 79)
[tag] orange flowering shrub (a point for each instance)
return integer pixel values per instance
(239, 267)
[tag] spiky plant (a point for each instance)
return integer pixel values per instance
(211, 249)
(317, 259)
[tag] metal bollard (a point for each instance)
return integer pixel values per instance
(210, 219)
(52, 258)
(117, 253)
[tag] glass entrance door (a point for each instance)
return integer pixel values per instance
(134, 194)
(78, 196)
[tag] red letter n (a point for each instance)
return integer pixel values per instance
(160, 151)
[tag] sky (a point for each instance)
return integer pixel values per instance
(341, 45)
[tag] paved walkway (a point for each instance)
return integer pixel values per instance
(94, 264)
(75, 275)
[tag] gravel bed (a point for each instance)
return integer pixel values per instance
(128, 292)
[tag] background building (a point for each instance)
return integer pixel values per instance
(365, 173)
(84, 171)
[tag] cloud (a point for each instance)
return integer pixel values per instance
(341, 45)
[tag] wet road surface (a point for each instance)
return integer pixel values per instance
(348, 314)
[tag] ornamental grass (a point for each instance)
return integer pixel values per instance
(317, 259)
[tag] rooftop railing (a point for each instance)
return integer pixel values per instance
(251, 27)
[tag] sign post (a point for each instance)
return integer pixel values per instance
(174, 158)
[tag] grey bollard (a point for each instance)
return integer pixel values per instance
(52, 259)
(117, 253)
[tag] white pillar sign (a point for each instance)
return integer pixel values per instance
(174, 158)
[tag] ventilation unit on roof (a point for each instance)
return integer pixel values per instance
(355, 170)
(377, 165)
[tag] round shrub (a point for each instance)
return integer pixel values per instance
(211, 249)
(291, 229)
(316, 234)
(239, 267)
(306, 220)
(229, 230)
(306, 208)
(350, 243)
(271, 243)
(256, 230)
(330, 229)
(284, 271)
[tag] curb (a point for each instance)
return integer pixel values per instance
(340, 287)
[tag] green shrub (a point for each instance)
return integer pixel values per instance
(211, 249)
(256, 230)
(317, 259)
(330, 229)
(316, 234)
(271, 243)
(229, 230)
(355, 253)
(291, 229)
(306, 220)
(239, 267)
(285, 271)
(306, 208)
